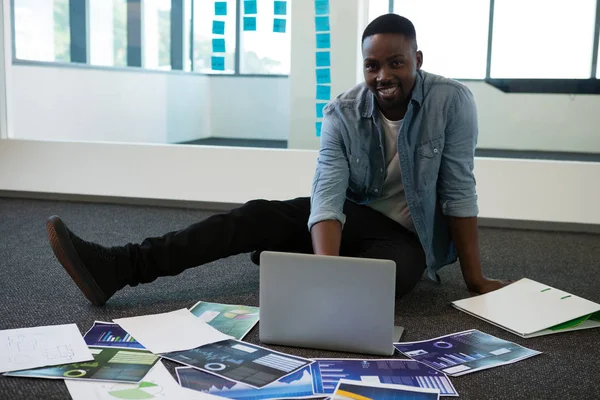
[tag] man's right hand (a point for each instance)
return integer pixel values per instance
(326, 237)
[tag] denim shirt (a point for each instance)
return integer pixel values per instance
(436, 147)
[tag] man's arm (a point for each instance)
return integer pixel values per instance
(457, 190)
(465, 236)
(327, 237)
(328, 194)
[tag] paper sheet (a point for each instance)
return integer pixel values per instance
(111, 365)
(326, 373)
(297, 385)
(172, 331)
(158, 384)
(252, 365)
(465, 352)
(352, 390)
(233, 320)
(41, 346)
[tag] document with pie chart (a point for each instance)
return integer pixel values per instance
(465, 352)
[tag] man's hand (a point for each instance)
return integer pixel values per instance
(487, 285)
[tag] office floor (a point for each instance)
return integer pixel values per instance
(36, 291)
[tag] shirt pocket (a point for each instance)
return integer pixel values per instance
(358, 173)
(428, 159)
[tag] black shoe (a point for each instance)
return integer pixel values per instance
(93, 267)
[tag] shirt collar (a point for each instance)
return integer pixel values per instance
(369, 98)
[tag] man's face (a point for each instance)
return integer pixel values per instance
(390, 67)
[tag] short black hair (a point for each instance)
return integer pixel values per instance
(391, 23)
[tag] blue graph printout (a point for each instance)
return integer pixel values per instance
(106, 334)
(296, 385)
(242, 362)
(326, 374)
(465, 352)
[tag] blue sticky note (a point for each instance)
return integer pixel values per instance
(218, 27)
(249, 6)
(249, 23)
(323, 41)
(323, 75)
(321, 7)
(320, 107)
(319, 125)
(322, 24)
(218, 45)
(323, 59)
(220, 8)
(280, 7)
(279, 25)
(323, 92)
(218, 63)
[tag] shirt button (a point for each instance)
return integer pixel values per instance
(435, 150)
(380, 169)
(376, 190)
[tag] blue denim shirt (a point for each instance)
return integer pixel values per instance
(436, 147)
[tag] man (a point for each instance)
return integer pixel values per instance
(394, 180)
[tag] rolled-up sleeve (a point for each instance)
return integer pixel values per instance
(456, 183)
(331, 176)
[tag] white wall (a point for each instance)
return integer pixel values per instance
(549, 122)
(250, 108)
(144, 107)
(82, 104)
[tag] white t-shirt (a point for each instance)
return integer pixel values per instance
(392, 201)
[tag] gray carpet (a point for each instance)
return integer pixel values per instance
(36, 291)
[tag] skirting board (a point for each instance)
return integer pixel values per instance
(483, 222)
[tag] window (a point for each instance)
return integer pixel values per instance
(42, 30)
(208, 26)
(378, 8)
(108, 32)
(265, 40)
(156, 47)
(453, 38)
(542, 40)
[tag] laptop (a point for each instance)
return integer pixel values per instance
(327, 302)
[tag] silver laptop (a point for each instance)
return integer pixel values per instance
(326, 302)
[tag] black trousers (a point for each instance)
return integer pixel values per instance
(276, 226)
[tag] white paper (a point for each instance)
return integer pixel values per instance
(41, 346)
(157, 384)
(172, 331)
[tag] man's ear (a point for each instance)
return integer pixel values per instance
(419, 59)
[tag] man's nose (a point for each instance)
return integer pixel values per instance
(383, 75)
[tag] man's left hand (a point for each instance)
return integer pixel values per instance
(487, 285)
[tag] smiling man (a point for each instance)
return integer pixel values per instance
(394, 180)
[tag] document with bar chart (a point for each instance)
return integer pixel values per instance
(326, 374)
(106, 334)
(465, 352)
(241, 362)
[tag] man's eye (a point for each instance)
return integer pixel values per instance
(397, 63)
(370, 66)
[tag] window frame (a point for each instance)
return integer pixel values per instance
(179, 55)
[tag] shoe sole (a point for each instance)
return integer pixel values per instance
(66, 254)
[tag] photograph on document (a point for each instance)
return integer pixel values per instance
(297, 385)
(353, 390)
(465, 352)
(326, 373)
(233, 320)
(115, 365)
(242, 362)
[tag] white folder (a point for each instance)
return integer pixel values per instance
(528, 308)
